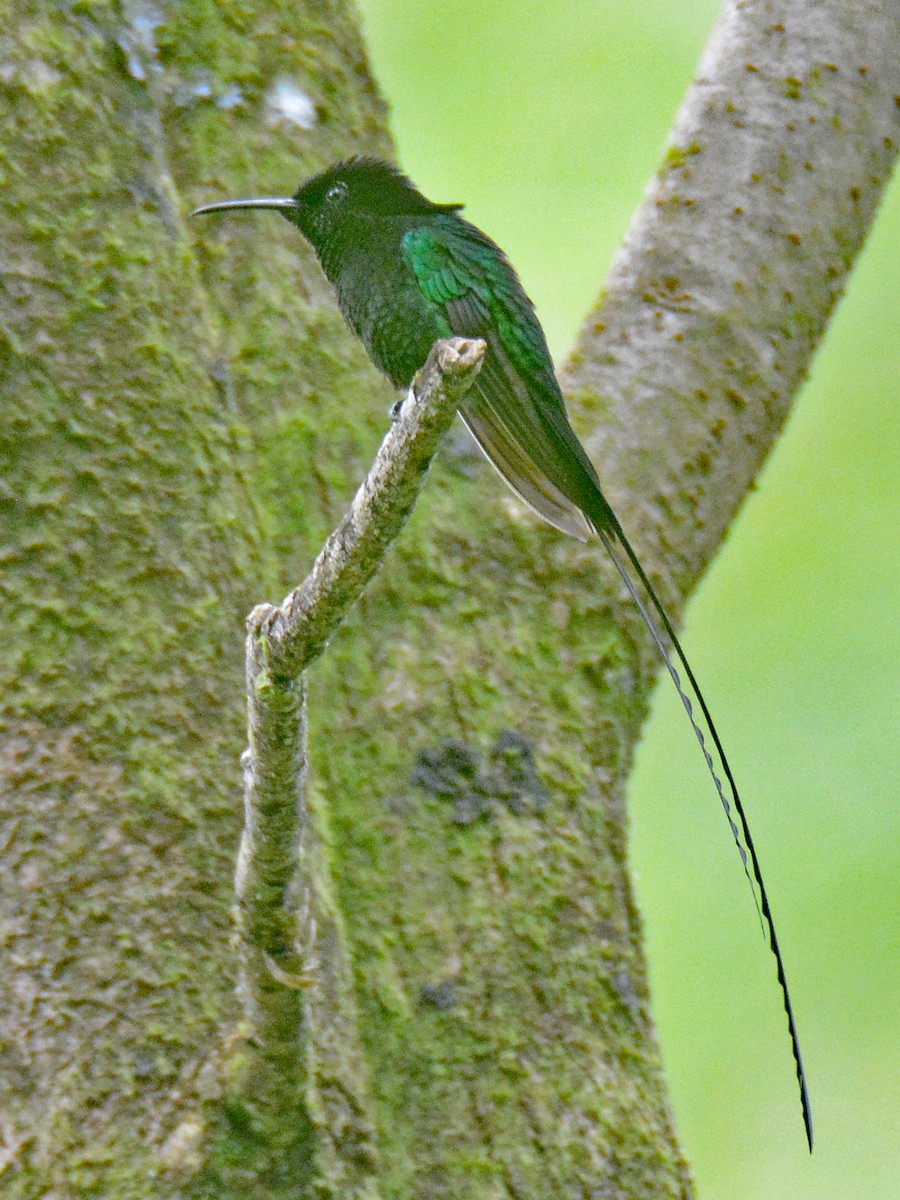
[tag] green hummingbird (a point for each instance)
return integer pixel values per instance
(408, 272)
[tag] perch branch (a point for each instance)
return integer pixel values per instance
(283, 890)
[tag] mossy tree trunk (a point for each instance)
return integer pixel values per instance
(182, 424)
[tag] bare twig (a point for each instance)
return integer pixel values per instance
(295, 634)
(282, 884)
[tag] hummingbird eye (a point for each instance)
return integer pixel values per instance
(336, 192)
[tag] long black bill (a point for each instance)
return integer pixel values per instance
(260, 202)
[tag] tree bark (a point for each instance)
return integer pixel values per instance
(733, 265)
(176, 442)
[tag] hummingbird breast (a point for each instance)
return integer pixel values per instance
(381, 300)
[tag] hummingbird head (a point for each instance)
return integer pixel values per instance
(353, 190)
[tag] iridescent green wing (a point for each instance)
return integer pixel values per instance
(457, 266)
(515, 409)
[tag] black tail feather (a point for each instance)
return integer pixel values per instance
(608, 530)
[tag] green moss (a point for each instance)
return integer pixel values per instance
(676, 156)
(186, 421)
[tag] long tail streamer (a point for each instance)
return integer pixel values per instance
(740, 828)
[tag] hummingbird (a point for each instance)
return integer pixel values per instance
(408, 272)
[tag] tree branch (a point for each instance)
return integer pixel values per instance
(284, 894)
(724, 285)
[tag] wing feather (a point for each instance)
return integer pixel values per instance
(515, 410)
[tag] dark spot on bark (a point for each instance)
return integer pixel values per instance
(736, 400)
(451, 772)
(514, 773)
(441, 996)
(473, 784)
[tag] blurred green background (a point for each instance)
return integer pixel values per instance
(548, 118)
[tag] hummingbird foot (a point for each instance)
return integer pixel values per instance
(394, 410)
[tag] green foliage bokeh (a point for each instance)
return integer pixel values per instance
(548, 119)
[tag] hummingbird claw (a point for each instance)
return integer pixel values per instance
(394, 410)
